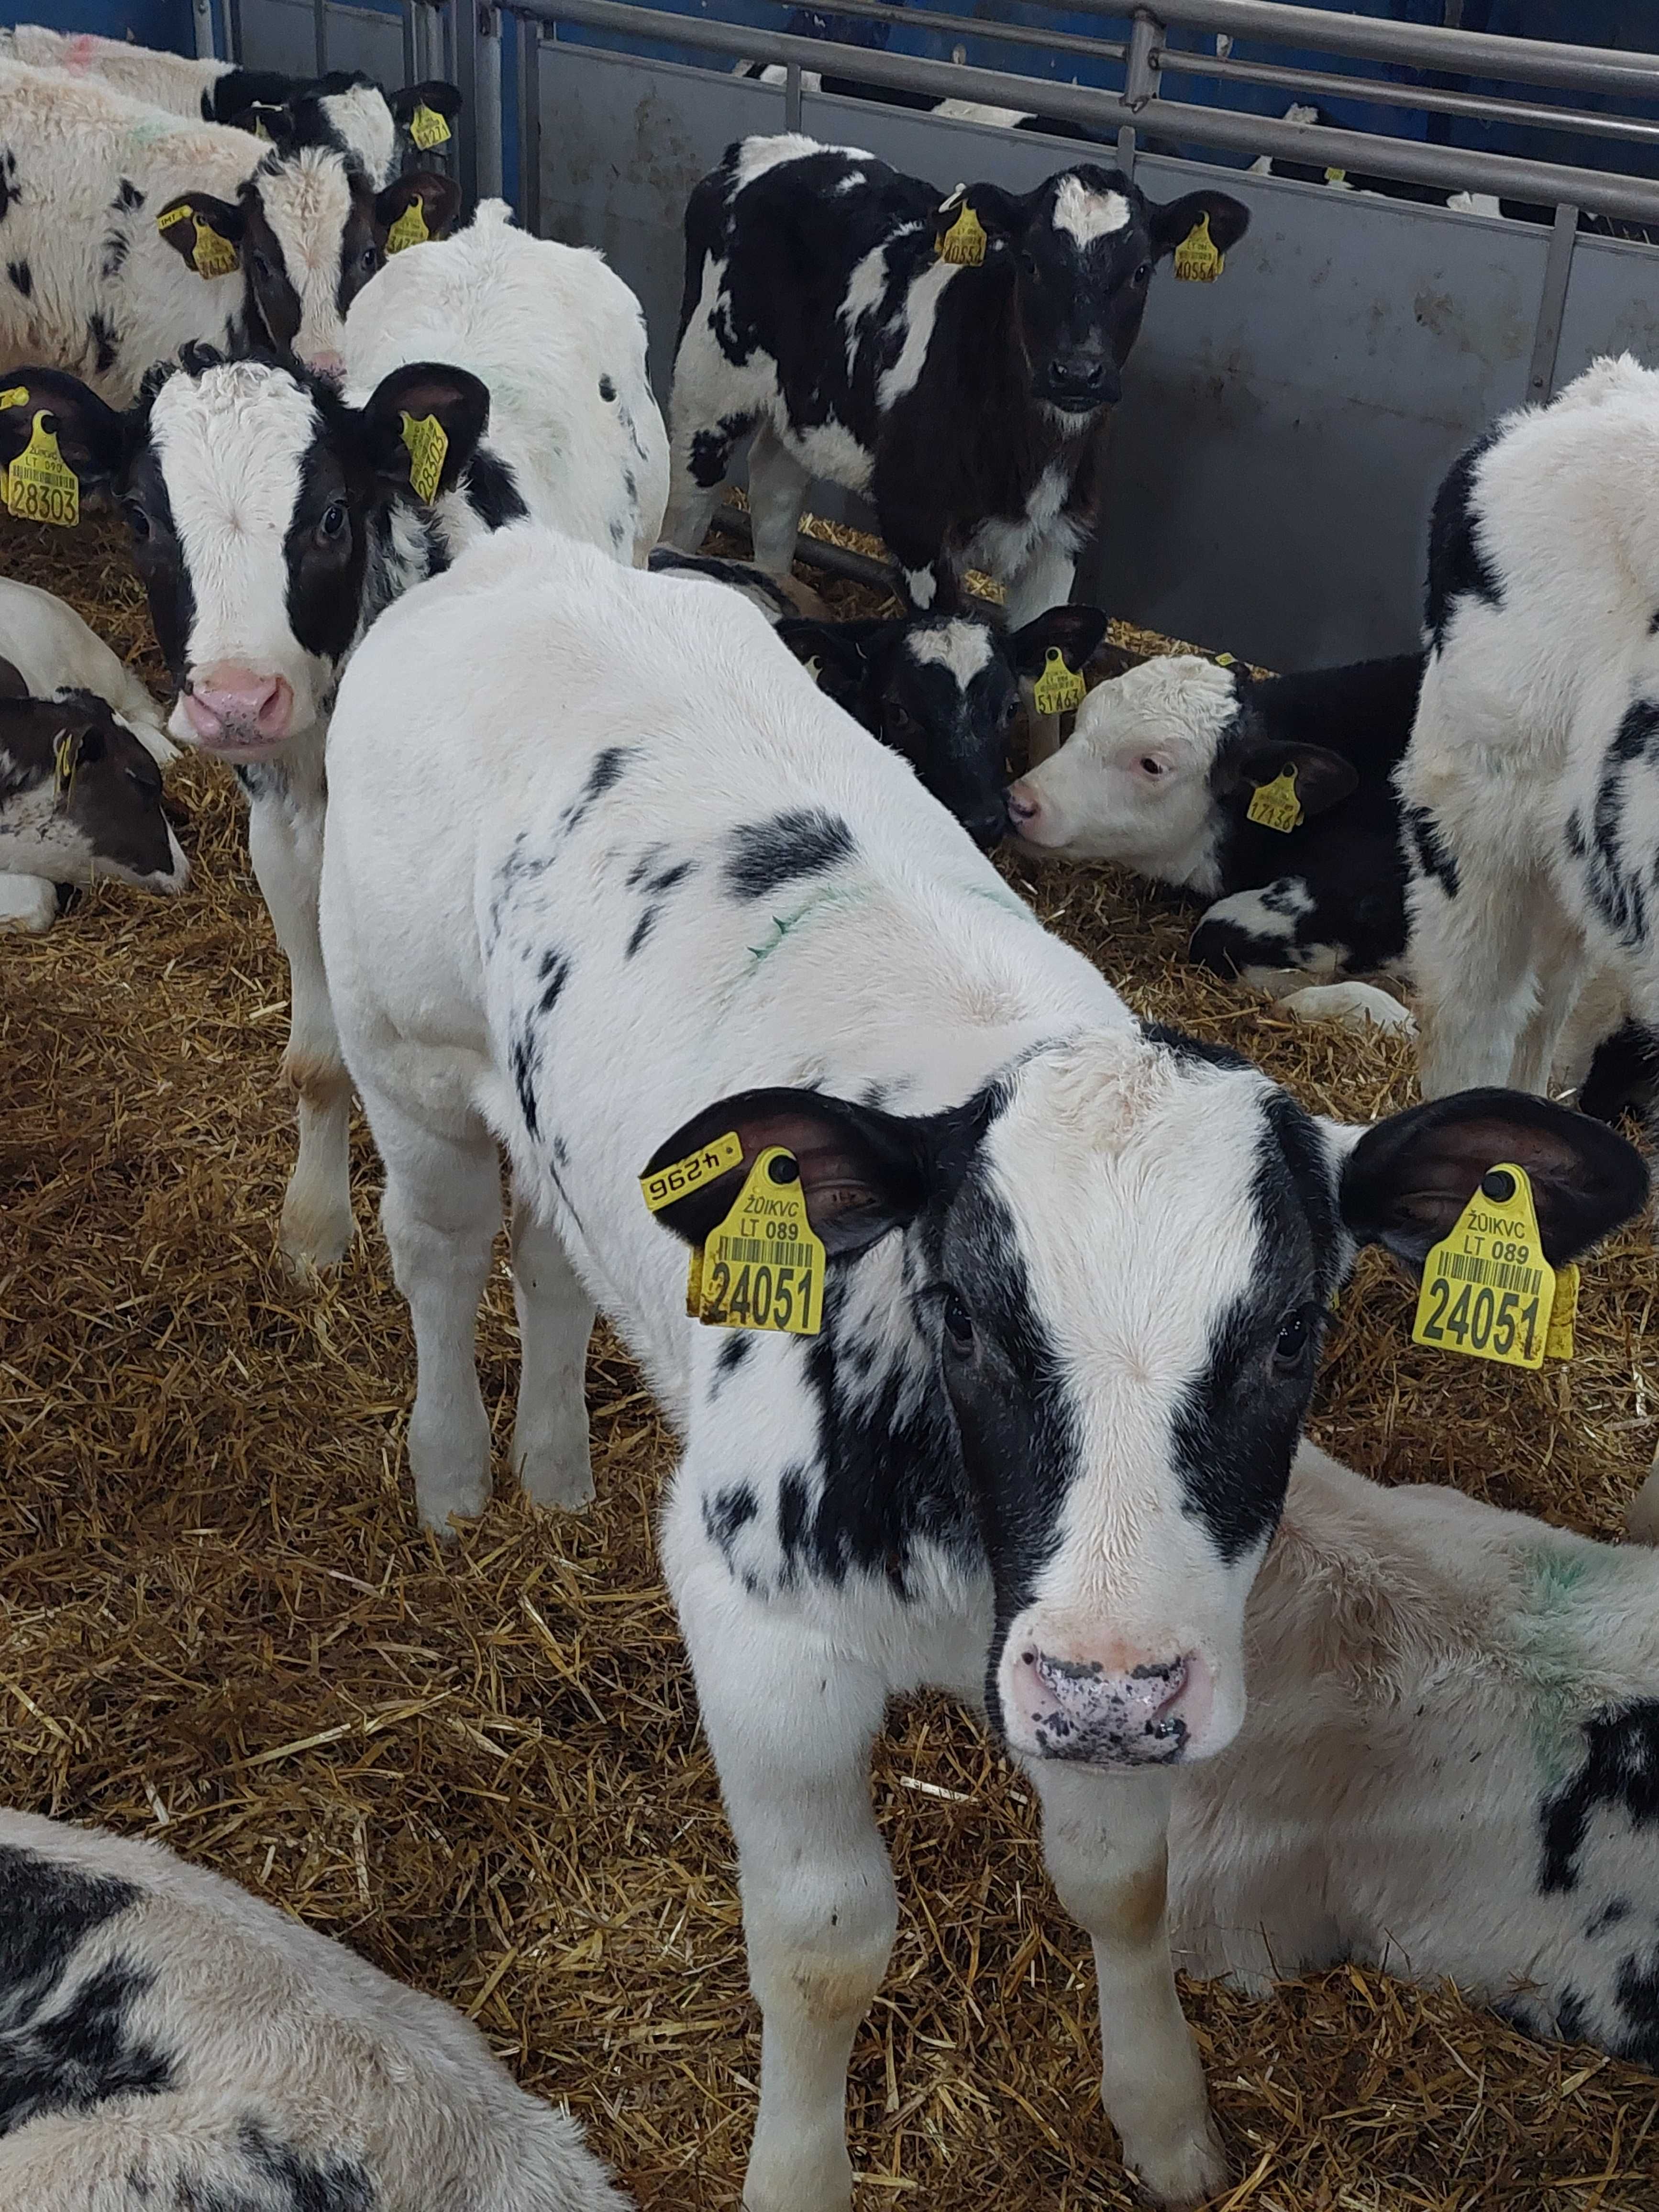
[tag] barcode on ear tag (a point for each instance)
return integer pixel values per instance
(1488, 1291)
(410, 229)
(427, 128)
(1059, 688)
(428, 443)
(1275, 806)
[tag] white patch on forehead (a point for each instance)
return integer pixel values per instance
(1175, 696)
(962, 646)
(1088, 215)
(306, 200)
(921, 306)
(361, 119)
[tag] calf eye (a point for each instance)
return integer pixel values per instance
(958, 1323)
(138, 520)
(1142, 273)
(1148, 766)
(333, 522)
(1292, 1340)
(370, 257)
(901, 719)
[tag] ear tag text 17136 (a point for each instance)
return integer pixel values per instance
(429, 444)
(41, 485)
(763, 1268)
(964, 243)
(1275, 806)
(1488, 1291)
(1060, 689)
(427, 128)
(410, 229)
(1198, 258)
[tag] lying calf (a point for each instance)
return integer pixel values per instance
(1450, 1766)
(169, 2044)
(1160, 773)
(637, 892)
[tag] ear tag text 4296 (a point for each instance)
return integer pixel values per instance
(410, 229)
(1198, 258)
(1488, 1291)
(429, 444)
(41, 485)
(965, 241)
(1060, 689)
(1275, 806)
(763, 1268)
(427, 128)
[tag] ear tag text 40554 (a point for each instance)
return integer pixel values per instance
(427, 128)
(1060, 689)
(410, 229)
(763, 1268)
(1488, 1291)
(1275, 806)
(1198, 258)
(963, 244)
(41, 485)
(428, 446)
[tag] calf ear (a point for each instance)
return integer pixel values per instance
(1322, 779)
(230, 221)
(840, 669)
(1408, 1178)
(12, 685)
(439, 198)
(1077, 631)
(862, 1172)
(268, 119)
(90, 434)
(456, 401)
(443, 98)
(1229, 220)
(1002, 216)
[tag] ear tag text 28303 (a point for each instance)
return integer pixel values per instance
(963, 244)
(1198, 258)
(41, 485)
(1060, 689)
(1488, 1291)
(428, 446)
(763, 1268)
(410, 229)
(1275, 806)
(427, 128)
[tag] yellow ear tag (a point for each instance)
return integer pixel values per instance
(1225, 660)
(764, 1266)
(428, 442)
(41, 485)
(65, 759)
(427, 128)
(17, 397)
(1059, 688)
(1488, 1291)
(1198, 258)
(1336, 176)
(1558, 1342)
(410, 229)
(684, 1176)
(215, 255)
(964, 243)
(1275, 804)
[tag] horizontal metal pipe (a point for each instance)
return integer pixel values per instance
(1007, 35)
(1451, 169)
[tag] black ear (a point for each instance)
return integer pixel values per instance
(456, 401)
(268, 119)
(1408, 1178)
(862, 1172)
(12, 685)
(443, 98)
(90, 434)
(1077, 631)
(1322, 779)
(837, 649)
(1229, 220)
(174, 223)
(439, 198)
(1002, 216)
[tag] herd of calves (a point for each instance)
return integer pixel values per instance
(988, 1315)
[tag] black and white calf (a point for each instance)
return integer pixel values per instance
(168, 2041)
(1077, 1268)
(1450, 1766)
(966, 403)
(1159, 775)
(92, 283)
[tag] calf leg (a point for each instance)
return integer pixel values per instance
(1104, 1839)
(710, 421)
(556, 1319)
(27, 902)
(1563, 965)
(1044, 581)
(778, 486)
(1471, 958)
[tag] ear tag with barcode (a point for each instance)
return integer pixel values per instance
(1275, 806)
(964, 243)
(410, 229)
(763, 1268)
(41, 485)
(1488, 1291)
(1059, 688)
(428, 444)
(1198, 258)
(427, 128)
(215, 255)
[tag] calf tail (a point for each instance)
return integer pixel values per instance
(705, 234)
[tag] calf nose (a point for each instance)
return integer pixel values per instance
(236, 707)
(1092, 378)
(1074, 1706)
(1025, 805)
(327, 364)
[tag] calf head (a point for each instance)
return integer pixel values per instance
(258, 504)
(1119, 1259)
(79, 797)
(943, 691)
(1081, 249)
(308, 231)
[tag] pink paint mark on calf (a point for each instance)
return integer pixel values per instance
(239, 713)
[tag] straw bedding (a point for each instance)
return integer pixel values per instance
(220, 1627)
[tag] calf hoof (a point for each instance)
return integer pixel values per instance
(436, 1502)
(1185, 2173)
(314, 1236)
(27, 902)
(1349, 1007)
(559, 1480)
(798, 2178)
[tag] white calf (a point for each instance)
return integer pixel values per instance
(166, 2040)
(601, 860)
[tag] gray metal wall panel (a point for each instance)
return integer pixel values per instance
(277, 34)
(1612, 304)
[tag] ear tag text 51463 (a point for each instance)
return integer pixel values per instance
(1488, 1291)
(763, 1268)
(965, 241)
(1060, 689)
(41, 485)
(1198, 258)
(410, 229)
(428, 444)
(427, 128)
(1275, 806)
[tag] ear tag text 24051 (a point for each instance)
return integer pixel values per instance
(427, 128)
(428, 444)
(1060, 689)
(41, 485)
(763, 1268)
(410, 229)
(1275, 806)
(1488, 1291)
(965, 241)
(1198, 258)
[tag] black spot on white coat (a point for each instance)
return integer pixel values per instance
(801, 841)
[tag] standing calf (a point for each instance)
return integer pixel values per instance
(607, 879)
(966, 402)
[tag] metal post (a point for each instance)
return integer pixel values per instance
(530, 124)
(319, 35)
(410, 72)
(791, 97)
(233, 31)
(464, 24)
(487, 137)
(1139, 81)
(202, 24)
(1557, 272)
